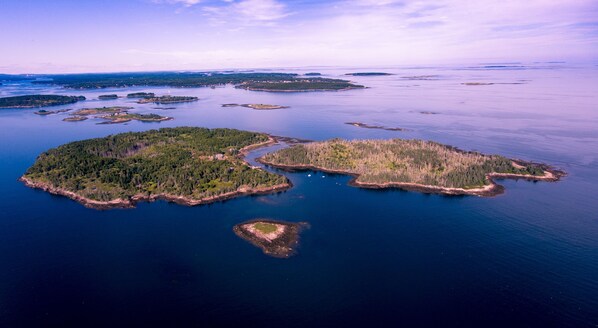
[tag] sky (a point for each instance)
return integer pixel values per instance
(66, 36)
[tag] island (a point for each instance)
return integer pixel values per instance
(275, 238)
(299, 85)
(185, 165)
(313, 74)
(421, 77)
(369, 74)
(123, 117)
(32, 101)
(256, 106)
(101, 110)
(411, 165)
(141, 95)
(75, 118)
(43, 112)
(167, 100)
(274, 82)
(370, 126)
(108, 97)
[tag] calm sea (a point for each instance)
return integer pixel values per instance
(527, 258)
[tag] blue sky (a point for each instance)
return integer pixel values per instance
(41, 36)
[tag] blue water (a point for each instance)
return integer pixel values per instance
(527, 258)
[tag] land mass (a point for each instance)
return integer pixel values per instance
(276, 82)
(185, 165)
(370, 126)
(100, 110)
(275, 238)
(124, 117)
(108, 97)
(256, 106)
(369, 74)
(166, 100)
(411, 165)
(43, 112)
(141, 95)
(32, 101)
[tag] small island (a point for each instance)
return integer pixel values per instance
(100, 110)
(411, 165)
(75, 118)
(256, 106)
(43, 112)
(141, 95)
(33, 101)
(275, 238)
(108, 97)
(368, 74)
(370, 126)
(313, 74)
(185, 165)
(167, 99)
(123, 117)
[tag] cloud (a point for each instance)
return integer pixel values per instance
(261, 10)
(186, 3)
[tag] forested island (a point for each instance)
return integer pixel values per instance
(124, 117)
(410, 164)
(369, 74)
(275, 238)
(185, 165)
(251, 81)
(166, 99)
(141, 95)
(108, 97)
(101, 110)
(299, 84)
(33, 101)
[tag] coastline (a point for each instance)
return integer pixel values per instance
(490, 190)
(133, 200)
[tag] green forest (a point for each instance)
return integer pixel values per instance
(191, 162)
(400, 160)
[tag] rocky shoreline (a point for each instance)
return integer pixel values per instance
(489, 190)
(281, 242)
(132, 201)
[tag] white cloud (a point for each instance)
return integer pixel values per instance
(186, 3)
(261, 10)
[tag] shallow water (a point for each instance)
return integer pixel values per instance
(377, 258)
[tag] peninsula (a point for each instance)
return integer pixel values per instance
(185, 165)
(411, 165)
(275, 238)
(33, 101)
